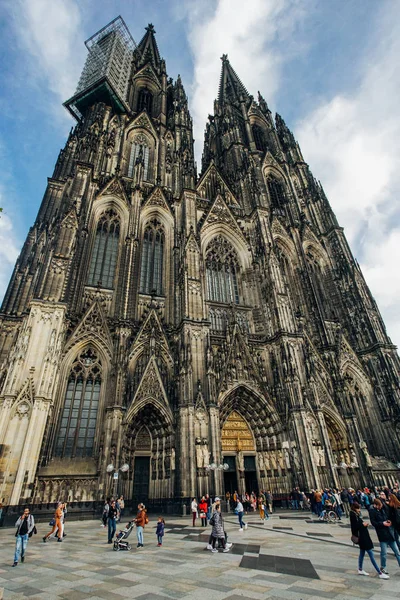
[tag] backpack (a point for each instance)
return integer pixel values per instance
(146, 519)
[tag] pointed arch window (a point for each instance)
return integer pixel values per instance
(145, 101)
(276, 195)
(105, 252)
(222, 268)
(151, 272)
(259, 138)
(140, 151)
(77, 426)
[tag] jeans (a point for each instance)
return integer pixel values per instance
(20, 546)
(346, 507)
(159, 539)
(241, 523)
(372, 558)
(139, 534)
(204, 521)
(318, 508)
(384, 545)
(295, 504)
(112, 526)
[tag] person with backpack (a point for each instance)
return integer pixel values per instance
(218, 532)
(25, 528)
(112, 520)
(141, 520)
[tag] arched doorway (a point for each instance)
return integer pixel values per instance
(149, 448)
(238, 452)
(251, 441)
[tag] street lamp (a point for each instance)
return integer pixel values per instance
(215, 467)
(111, 469)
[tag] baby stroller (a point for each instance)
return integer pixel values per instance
(120, 542)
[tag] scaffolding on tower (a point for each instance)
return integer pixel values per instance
(105, 76)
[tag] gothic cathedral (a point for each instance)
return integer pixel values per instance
(165, 334)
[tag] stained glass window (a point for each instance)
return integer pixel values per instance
(77, 426)
(105, 252)
(151, 272)
(222, 272)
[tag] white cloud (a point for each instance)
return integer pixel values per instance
(50, 34)
(246, 31)
(352, 145)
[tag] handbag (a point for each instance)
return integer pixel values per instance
(202, 515)
(33, 532)
(52, 522)
(354, 539)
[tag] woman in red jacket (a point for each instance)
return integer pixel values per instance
(203, 512)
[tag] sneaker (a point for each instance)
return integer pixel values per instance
(362, 572)
(383, 576)
(245, 526)
(22, 558)
(209, 547)
(158, 545)
(241, 529)
(214, 550)
(384, 571)
(138, 546)
(228, 545)
(226, 550)
(15, 564)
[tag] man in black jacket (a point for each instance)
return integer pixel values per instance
(384, 531)
(25, 526)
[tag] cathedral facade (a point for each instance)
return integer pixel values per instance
(166, 334)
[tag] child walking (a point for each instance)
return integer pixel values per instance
(160, 530)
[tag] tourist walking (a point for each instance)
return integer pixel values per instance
(218, 532)
(360, 536)
(104, 516)
(160, 530)
(56, 524)
(141, 520)
(112, 520)
(269, 499)
(203, 512)
(240, 511)
(25, 526)
(193, 508)
(384, 531)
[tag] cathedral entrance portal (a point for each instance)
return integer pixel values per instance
(238, 450)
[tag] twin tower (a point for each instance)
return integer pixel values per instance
(167, 334)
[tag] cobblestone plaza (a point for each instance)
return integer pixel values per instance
(292, 556)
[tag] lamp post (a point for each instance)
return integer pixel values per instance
(111, 469)
(214, 467)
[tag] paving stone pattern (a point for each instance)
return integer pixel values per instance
(266, 561)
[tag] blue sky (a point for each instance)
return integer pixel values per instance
(331, 69)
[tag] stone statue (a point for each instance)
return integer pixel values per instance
(206, 455)
(260, 460)
(296, 460)
(199, 456)
(287, 459)
(173, 459)
(367, 456)
(322, 459)
(347, 458)
(267, 461)
(281, 460)
(240, 461)
(354, 461)
(272, 456)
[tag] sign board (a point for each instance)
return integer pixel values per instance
(116, 475)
